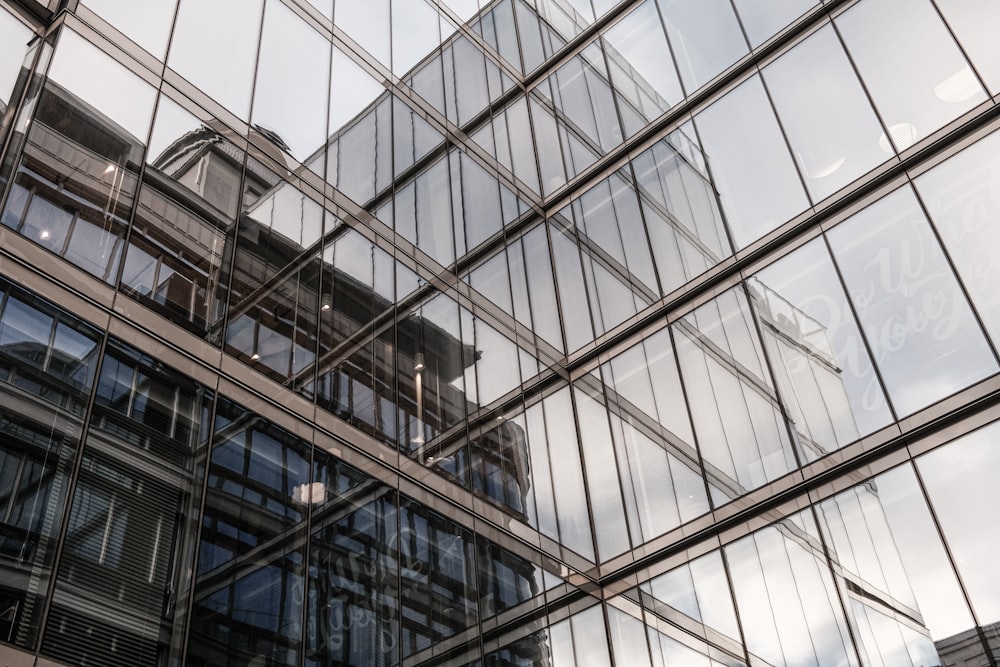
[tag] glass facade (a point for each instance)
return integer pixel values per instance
(532, 333)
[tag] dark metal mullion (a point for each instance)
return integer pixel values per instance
(307, 555)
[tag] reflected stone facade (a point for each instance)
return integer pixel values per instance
(526, 332)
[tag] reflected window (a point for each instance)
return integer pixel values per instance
(640, 65)
(828, 382)
(82, 215)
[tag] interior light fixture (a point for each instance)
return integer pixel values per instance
(959, 87)
(326, 303)
(254, 357)
(816, 171)
(903, 136)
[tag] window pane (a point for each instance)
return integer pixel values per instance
(912, 68)
(962, 197)
(973, 22)
(748, 158)
(825, 113)
(705, 36)
(222, 68)
(147, 24)
(828, 381)
(960, 480)
(921, 330)
(291, 94)
(763, 19)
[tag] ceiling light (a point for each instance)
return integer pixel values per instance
(959, 87)
(903, 136)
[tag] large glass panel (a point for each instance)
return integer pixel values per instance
(356, 362)
(367, 22)
(749, 161)
(291, 92)
(184, 219)
(354, 591)
(81, 214)
(223, 68)
(14, 37)
(971, 20)
(274, 293)
(960, 484)
(763, 19)
(131, 531)
(901, 593)
(641, 65)
(925, 339)
(740, 427)
(681, 210)
(705, 36)
(827, 380)
(786, 599)
(825, 113)
(148, 24)
(416, 32)
(47, 365)
(912, 68)
(249, 587)
(962, 197)
(696, 597)
(603, 480)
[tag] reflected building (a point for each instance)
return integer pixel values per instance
(524, 332)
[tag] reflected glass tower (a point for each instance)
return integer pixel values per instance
(533, 333)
